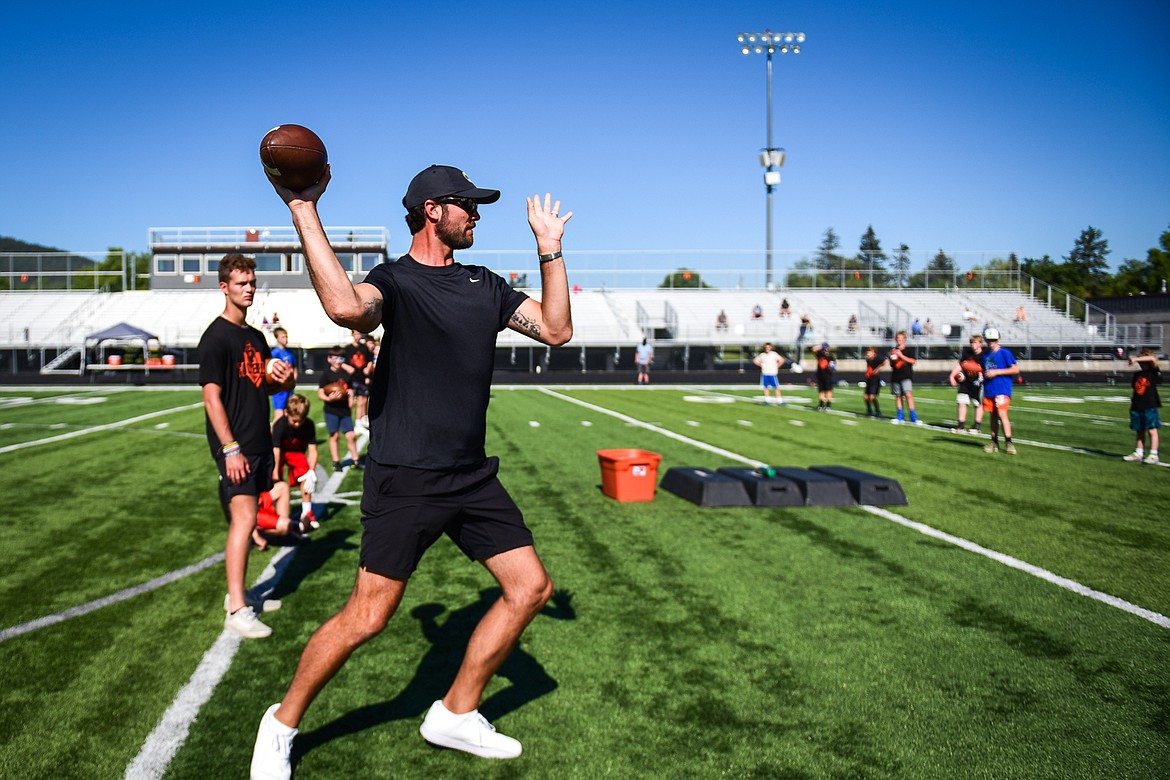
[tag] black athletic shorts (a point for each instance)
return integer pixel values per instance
(258, 480)
(873, 385)
(405, 510)
(825, 383)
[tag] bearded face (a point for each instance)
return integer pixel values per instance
(455, 227)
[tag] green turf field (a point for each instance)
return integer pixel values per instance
(1027, 638)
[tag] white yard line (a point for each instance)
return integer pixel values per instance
(1069, 585)
(168, 736)
(105, 601)
(171, 732)
(97, 428)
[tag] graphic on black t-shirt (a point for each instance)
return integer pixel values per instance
(233, 357)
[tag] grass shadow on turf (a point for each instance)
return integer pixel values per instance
(438, 667)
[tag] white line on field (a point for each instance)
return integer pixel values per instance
(114, 598)
(168, 736)
(95, 429)
(171, 732)
(1070, 585)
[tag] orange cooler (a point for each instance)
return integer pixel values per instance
(629, 475)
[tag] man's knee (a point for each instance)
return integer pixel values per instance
(532, 593)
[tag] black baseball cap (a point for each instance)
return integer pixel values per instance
(440, 181)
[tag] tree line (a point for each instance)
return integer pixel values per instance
(1083, 272)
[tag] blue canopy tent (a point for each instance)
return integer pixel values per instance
(122, 333)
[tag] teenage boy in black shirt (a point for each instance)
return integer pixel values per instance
(427, 470)
(232, 360)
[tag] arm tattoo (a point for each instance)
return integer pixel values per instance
(531, 327)
(374, 308)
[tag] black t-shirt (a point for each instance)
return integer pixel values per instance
(340, 407)
(359, 356)
(873, 365)
(233, 357)
(824, 363)
(293, 438)
(900, 369)
(1145, 387)
(432, 381)
(973, 379)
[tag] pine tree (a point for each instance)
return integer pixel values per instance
(871, 260)
(1086, 269)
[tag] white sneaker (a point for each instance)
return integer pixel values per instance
(1151, 458)
(246, 624)
(270, 757)
(1134, 457)
(257, 605)
(469, 732)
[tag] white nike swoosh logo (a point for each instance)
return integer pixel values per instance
(473, 281)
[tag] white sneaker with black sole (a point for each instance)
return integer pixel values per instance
(245, 623)
(469, 732)
(272, 755)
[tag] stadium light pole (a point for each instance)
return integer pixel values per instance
(771, 158)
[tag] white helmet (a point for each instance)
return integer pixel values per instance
(991, 334)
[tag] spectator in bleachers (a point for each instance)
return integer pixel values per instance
(784, 310)
(928, 327)
(1021, 315)
(852, 326)
(805, 330)
(757, 312)
(969, 316)
(916, 328)
(721, 320)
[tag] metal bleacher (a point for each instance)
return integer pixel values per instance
(600, 317)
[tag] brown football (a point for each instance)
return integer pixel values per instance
(293, 156)
(337, 388)
(285, 386)
(971, 368)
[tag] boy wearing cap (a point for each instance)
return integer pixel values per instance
(999, 366)
(427, 472)
(826, 365)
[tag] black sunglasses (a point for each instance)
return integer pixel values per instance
(468, 205)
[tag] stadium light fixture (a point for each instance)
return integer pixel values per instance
(771, 158)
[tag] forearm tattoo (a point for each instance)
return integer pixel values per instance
(531, 327)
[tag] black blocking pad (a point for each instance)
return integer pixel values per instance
(818, 488)
(764, 490)
(704, 487)
(867, 488)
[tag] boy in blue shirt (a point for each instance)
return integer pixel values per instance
(999, 366)
(281, 351)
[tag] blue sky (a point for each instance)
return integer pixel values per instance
(963, 127)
